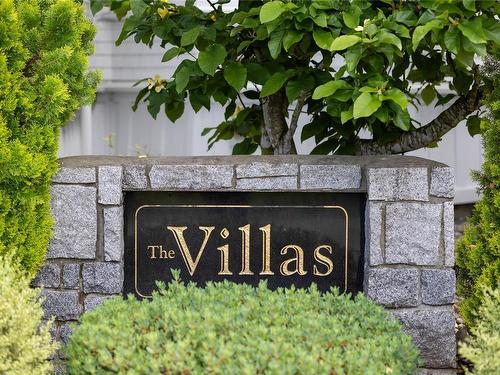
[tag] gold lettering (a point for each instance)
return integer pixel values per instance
(266, 250)
(171, 254)
(152, 248)
(224, 260)
(178, 233)
(298, 260)
(163, 253)
(245, 250)
(323, 259)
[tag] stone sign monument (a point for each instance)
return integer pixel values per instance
(378, 225)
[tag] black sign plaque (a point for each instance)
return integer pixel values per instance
(284, 238)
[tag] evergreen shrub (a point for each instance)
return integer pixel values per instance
(25, 343)
(44, 49)
(228, 328)
(478, 252)
(484, 348)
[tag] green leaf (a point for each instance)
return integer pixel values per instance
(321, 20)
(207, 130)
(352, 57)
(351, 17)
(421, 31)
(189, 37)
(243, 45)
(293, 90)
(257, 73)
(171, 53)
(304, 82)
(406, 17)
(229, 111)
(330, 88)
(428, 94)
(474, 125)
(199, 99)
(346, 115)
(452, 39)
(382, 114)
(397, 96)
(324, 148)
(251, 94)
(271, 10)
(245, 147)
(323, 39)
(274, 43)
(211, 58)
(344, 41)
(402, 120)
(389, 38)
(174, 110)
(291, 37)
(491, 30)
(273, 84)
(473, 30)
(138, 7)
(182, 78)
(365, 105)
(310, 130)
(142, 93)
(236, 75)
(96, 6)
(469, 5)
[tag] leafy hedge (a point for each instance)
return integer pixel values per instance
(484, 347)
(229, 328)
(25, 344)
(44, 49)
(478, 253)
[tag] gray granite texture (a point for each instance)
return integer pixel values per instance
(75, 215)
(407, 229)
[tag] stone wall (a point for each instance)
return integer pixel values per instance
(409, 234)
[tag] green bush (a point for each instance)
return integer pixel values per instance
(44, 49)
(25, 343)
(484, 347)
(478, 253)
(229, 328)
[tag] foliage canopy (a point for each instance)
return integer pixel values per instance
(478, 252)
(227, 328)
(25, 343)
(279, 54)
(483, 347)
(44, 45)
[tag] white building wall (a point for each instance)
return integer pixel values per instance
(110, 127)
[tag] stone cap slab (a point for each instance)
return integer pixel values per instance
(371, 161)
(314, 173)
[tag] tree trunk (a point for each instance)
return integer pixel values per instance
(274, 110)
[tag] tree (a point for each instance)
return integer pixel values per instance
(44, 45)
(478, 252)
(279, 55)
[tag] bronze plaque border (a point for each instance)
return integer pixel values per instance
(346, 231)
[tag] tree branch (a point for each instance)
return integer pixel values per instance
(427, 134)
(295, 117)
(212, 5)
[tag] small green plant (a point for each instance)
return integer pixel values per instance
(25, 343)
(484, 347)
(478, 253)
(44, 49)
(228, 328)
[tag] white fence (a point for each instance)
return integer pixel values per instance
(110, 127)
